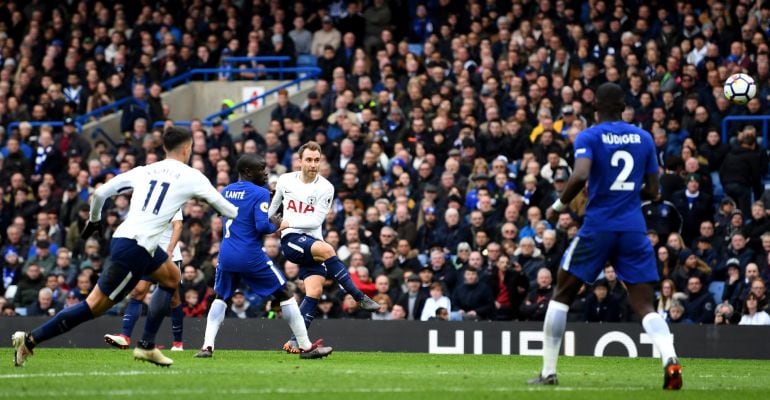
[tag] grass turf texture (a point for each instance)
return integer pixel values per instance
(105, 373)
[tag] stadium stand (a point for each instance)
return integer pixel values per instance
(446, 126)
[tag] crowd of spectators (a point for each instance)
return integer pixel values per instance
(447, 129)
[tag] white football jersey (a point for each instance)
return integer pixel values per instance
(305, 205)
(159, 191)
(166, 238)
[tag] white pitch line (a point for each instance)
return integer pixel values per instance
(82, 374)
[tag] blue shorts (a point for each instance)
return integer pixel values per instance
(296, 248)
(630, 253)
(262, 281)
(129, 263)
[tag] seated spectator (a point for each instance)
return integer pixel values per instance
(600, 307)
(699, 305)
(28, 287)
(689, 265)
(436, 300)
(528, 256)
(240, 307)
(397, 313)
(676, 314)
(723, 314)
(667, 296)
(193, 307)
(327, 308)
(386, 304)
(83, 286)
(45, 305)
(193, 279)
(352, 310)
(535, 305)
(751, 314)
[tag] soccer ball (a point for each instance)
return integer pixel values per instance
(740, 88)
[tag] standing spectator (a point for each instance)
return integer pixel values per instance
(694, 205)
(742, 170)
(751, 314)
(472, 300)
(302, 37)
(436, 300)
(536, 303)
(600, 307)
(378, 18)
(328, 35)
(509, 287)
(413, 300)
(285, 109)
(136, 108)
(28, 287)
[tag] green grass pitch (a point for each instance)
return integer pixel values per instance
(110, 374)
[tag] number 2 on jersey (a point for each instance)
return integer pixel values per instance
(164, 189)
(620, 183)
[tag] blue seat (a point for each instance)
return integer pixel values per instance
(307, 60)
(415, 48)
(716, 289)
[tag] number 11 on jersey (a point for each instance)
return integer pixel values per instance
(164, 189)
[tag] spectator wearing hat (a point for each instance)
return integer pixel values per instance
(42, 256)
(426, 276)
(689, 265)
(240, 306)
(11, 269)
(429, 231)
(250, 133)
(600, 307)
(328, 35)
(219, 136)
(70, 140)
(413, 300)
(328, 308)
(694, 206)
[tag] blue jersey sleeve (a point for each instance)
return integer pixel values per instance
(261, 222)
(583, 146)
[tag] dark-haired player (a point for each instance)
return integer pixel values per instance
(242, 259)
(159, 190)
(619, 161)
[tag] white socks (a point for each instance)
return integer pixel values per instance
(553, 329)
(660, 335)
(293, 316)
(213, 322)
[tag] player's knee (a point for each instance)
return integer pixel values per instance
(140, 291)
(322, 251)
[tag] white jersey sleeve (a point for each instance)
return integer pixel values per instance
(207, 192)
(115, 186)
(159, 191)
(305, 205)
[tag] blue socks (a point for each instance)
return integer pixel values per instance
(307, 308)
(159, 306)
(177, 318)
(131, 315)
(61, 323)
(341, 275)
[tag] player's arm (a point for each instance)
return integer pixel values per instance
(119, 184)
(575, 184)
(205, 191)
(176, 232)
(651, 186)
(275, 204)
(261, 221)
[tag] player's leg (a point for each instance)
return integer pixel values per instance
(291, 313)
(114, 283)
(177, 318)
(324, 252)
(167, 275)
(636, 266)
(130, 316)
(581, 262)
(224, 285)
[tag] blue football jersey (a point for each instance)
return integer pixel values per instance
(621, 156)
(241, 248)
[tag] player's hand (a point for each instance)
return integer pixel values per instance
(90, 229)
(276, 220)
(284, 224)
